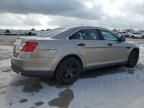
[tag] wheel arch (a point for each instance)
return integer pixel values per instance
(71, 55)
(133, 49)
(75, 56)
(128, 64)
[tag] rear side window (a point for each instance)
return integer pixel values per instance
(78, 35)
(86, 34)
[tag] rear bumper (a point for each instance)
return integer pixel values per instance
(32, 67)
(31, 73)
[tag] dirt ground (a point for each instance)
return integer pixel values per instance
(113, 87)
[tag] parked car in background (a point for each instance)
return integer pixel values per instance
(124, 34)
(136, 35)
(142, 34)
(66, 52)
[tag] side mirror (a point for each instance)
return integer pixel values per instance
(121, 38)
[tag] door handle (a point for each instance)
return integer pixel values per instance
(81, 44)
(109, 44)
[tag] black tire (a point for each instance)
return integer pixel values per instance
(133, 37)
(68, 70)
(133, 59)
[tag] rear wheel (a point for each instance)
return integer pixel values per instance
(68, 70)
(133, 59)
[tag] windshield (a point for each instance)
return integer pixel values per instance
(51, 33)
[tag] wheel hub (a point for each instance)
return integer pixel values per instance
(70, 70)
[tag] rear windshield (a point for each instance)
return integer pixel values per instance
(51, 33)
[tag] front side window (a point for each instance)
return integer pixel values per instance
(109, 35)
(86, 34)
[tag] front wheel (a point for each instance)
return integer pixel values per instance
(68, 70)
(133, 59)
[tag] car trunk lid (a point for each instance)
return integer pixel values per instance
(20, 42)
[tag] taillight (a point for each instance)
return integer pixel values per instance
(29, 46)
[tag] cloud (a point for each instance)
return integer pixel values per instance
(43, 14)
(68, 8)
(16, 19)
(135, 7)
(108, 22)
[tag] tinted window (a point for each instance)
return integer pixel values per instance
(86, 34)
(78, 36)
(109, 35)
(90, 34)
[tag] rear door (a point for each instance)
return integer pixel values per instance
(91, 47)
(116, 50)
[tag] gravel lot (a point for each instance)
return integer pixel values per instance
(114, 87)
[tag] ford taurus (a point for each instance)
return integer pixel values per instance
(66, 52)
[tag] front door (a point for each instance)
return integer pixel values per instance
(116, 51)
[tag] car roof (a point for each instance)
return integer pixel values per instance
(86, 27)
(70, 30)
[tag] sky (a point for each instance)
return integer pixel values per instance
(44, 14)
